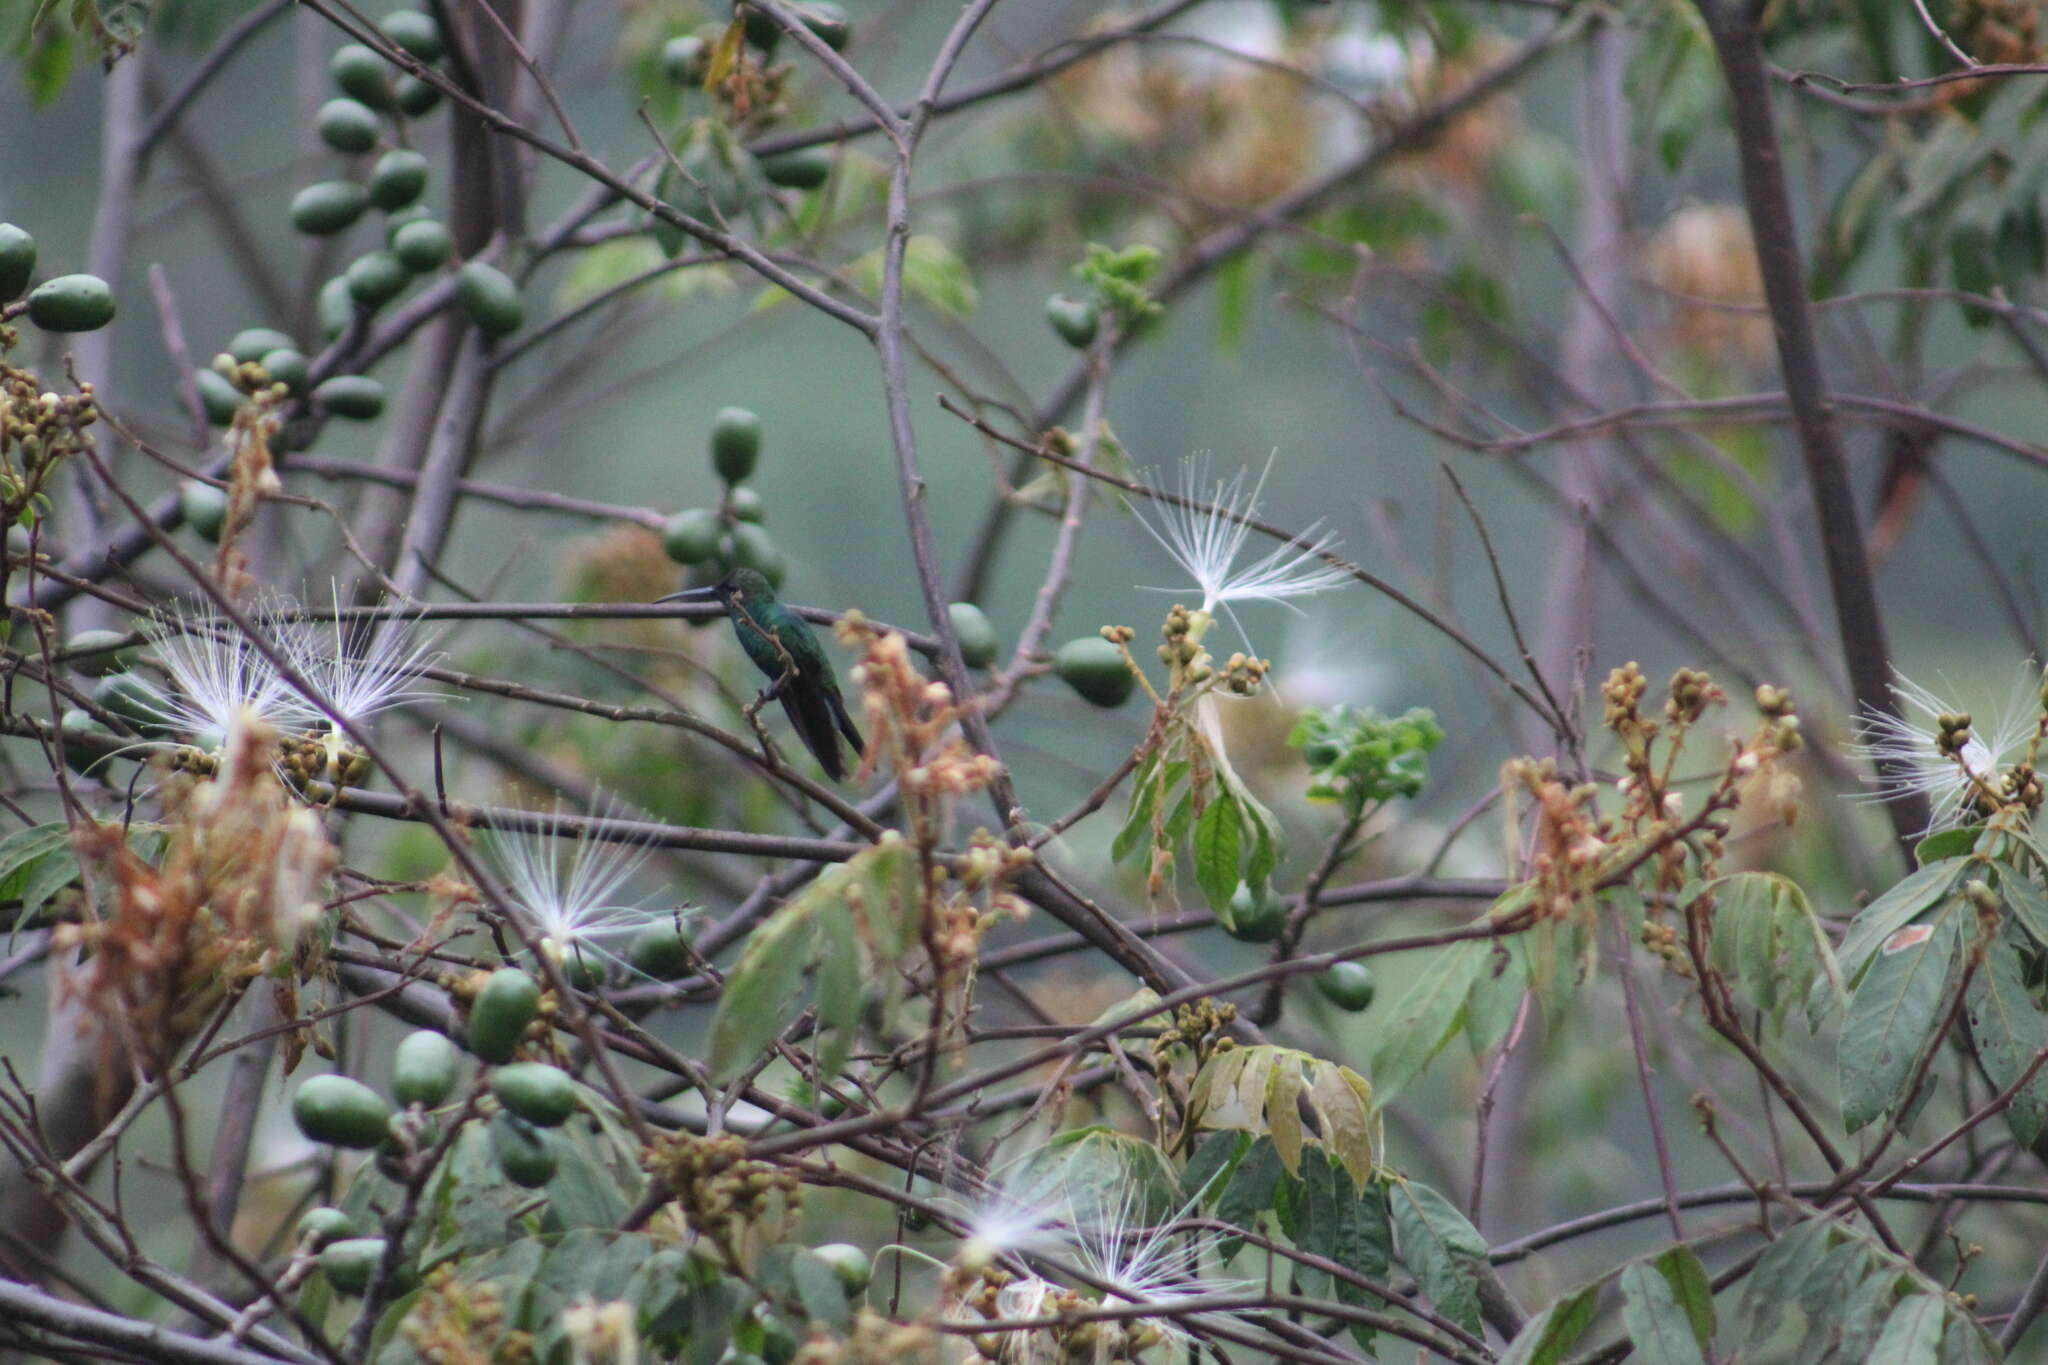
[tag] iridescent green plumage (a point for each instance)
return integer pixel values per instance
(785, 648)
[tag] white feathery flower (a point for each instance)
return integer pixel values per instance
(570, 889)
(1113, 1248)
(216, 675)
(1908, 763)
(1207, 540)
(364, 672)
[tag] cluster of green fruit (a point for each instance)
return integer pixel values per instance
(533, 1098)
(415, 243)
(68, 303)
(717, 540)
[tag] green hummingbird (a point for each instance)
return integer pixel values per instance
(785, 648)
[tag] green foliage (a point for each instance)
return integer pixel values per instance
(1119, 278)
(1358, 758)
(849, 927)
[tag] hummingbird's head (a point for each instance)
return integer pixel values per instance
(738, 588)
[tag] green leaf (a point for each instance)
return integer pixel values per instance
(1770, 1287)
(1769, 945)
(820, 1290)
(1895, 908)
(1946, 844)
(1439, 1248)
(2025, 900)
(1656, 1323)
(763, 991)
(2009, 1031)
(1343, 1223)
(1545, 1338)
(1912, 1334)
(1893, 1015)
(1209, 1170)
(1218, 850)
(1691, 1288)
(1137, 828)
(1253, 1183)
(1428, 1013)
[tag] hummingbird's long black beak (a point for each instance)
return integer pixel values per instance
(691, 595)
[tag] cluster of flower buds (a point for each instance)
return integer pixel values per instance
(39, 427)
(1182, 641)
(724, 1196)
(1242, 674)
(452, 1323)
(1951, 732)
(1692, 692)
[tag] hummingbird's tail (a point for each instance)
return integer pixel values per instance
(810, 712)
(846, 725)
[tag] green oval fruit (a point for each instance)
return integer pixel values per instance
(662, 951)
(1074, 319)
(849, 1262)
(804, 168)
(745, 504)
(978, 644)
(426, 1068)
(251, 344)
(328, 207)
(1255, 916)
(349, 1263)
(362, 73)
(375, 278)
(415, 32)
(398, 178)
(502, 1010)
(1095, 669)
(71, 303)
(422, 246)
(134, 700)
(751, 548)
(828, 21)
(220, 398)
(525, 1154)
(337, 308)
(74, 726)
(539, 1093)
(340, 1112)
(683, 59)
(416, 97)
(204, 507)
(319, 1226)
(691, 535)
(97, 653)
(287, 367)
(357, 397)
(17, 261)
(489, 299)
(735, 443)
(347, 125)
(1348, 986)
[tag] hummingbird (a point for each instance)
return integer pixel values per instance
(785, 648)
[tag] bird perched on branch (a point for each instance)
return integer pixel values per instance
(786, 649)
